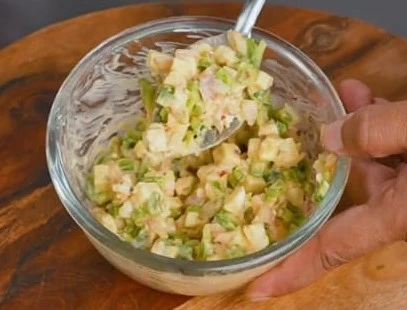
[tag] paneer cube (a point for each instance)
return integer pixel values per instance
(256, 235)
(254, 185)
(155, 138)
(235, 201)
(249, 111)
(184, 185)
(140, 150)
(227, 154)
(224, 55)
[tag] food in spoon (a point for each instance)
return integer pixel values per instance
(237, 198)
(197, 93)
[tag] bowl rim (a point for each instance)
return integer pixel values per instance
(94, 229)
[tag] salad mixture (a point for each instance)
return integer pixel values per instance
(232, 200)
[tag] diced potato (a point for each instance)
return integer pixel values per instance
(256, 235)
(227, 154)
(249, 111)
(254, 185)
(192, 219)
(185, 53)
(294, 194)
(202, 47)
(263, 81)
(239, 238)
(101, 175)
(185, 66)
(169, 183)
(224, 55)
(155, 138)
(159, 63)
(126, 210)
(108, 221)
(205, 171)
(253, 148)
(175, 79)
(237, 42)
(143, 191)
(160, 248)
(140, 150)
(234, 202)
(184, 186)
(268, 129)
(264, 214)
(268, 150)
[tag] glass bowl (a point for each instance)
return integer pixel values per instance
(101, 93)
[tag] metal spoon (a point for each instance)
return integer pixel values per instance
(244, 24)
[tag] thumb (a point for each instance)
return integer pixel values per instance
(349, 235)
(377, 130)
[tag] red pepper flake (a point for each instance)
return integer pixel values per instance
(222, 173)
(223, 117)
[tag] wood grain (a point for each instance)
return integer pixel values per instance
(47, 263)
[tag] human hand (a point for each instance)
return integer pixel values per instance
(375, 135)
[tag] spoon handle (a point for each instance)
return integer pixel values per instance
(248, 16)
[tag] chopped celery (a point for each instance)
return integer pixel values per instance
(298, 216)
(218, 186)
(153, 204)
(141, 240)
(131, 138)
(194, 208)
(204, 61)
(270, 176)
(235, 251)
(148, 93)
(235, 177)
(224, 76)
(163, 115)
(139, 215)
(165, 96)
(283, 116)
(257, 169)
(186, 251)
(194, 97)
(113, 208)
(226, 219)
(127, 164)
(189, 137)
(275, 190)
(282, 128)
(255, 51)
(99, 198)
(195, 123)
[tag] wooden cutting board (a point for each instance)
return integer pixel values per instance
(46, 261)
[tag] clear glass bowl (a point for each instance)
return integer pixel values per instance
(101, 93)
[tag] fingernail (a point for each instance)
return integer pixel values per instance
(331, 136)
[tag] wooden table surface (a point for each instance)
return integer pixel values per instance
(46, 261)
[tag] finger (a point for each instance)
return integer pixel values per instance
(372, 131)
(354, 94)
(365, 179)
(349, 235)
